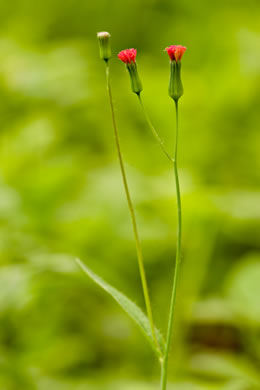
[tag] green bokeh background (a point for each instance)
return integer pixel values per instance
(61, 194)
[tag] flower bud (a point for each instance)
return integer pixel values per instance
(104, 45)
(175, 85)
(128, 56)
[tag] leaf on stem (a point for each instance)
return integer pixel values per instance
(128, 306)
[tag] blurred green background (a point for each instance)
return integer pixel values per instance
(61, 194)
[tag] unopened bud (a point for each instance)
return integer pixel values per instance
(104, 45)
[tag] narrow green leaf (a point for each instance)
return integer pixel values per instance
(129, 307)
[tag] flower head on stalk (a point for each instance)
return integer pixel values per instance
(128, 56)
(175, 53)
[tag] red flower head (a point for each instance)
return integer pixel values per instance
(175, 52)
(127, 56)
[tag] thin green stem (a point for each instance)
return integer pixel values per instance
(132, 213)
(164, 371)
(155, 134)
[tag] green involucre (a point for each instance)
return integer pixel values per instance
(175, 84)
(136, 84)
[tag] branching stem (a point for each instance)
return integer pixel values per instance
(164, 368)
(155, 134)
(132, 213)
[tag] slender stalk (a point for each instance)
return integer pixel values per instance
(155, 134)
(164, 370)
(132, 213)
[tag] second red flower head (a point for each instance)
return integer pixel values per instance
(128, 56)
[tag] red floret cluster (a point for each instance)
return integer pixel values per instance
(127, 56)
(175, 52)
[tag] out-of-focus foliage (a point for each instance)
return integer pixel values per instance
(61, 194)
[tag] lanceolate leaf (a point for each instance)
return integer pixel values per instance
(129, 307)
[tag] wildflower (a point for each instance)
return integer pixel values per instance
(104, 45)
(175, 53)
(128, 56)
